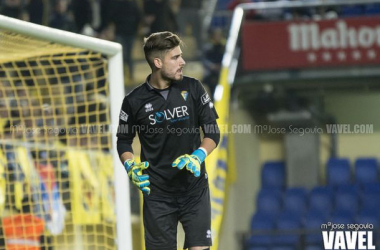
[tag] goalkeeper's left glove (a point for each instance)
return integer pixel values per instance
(191, 162)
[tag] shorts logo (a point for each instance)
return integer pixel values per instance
(148, 107)
(205, 98)
(123, 116)
(184, 95)
(208, 234)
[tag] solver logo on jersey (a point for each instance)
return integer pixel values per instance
(348, 236)
(172, 115)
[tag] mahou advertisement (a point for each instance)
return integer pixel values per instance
(306, 44)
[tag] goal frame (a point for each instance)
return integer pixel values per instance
(113, 51)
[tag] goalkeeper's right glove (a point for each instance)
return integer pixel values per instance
(191, 162)
(135, 174)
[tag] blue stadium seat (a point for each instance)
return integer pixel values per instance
(261, 225)
(222, 4)
(349, 188)
(283, 248)
(372, 9)
(273, 175)
(351, 10)
(373, 188)
(338, 171)
(342, 217)
(312, 224)
(371, 216)
(370, 196)
(295, 200)
(259, 248)
(321, 199)
(269, 201)
(219, 21)
(314, 248)
(263, 221)
(366, 170)
(347, 199)
(288, 224)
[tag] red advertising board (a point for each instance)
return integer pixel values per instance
(305, 44)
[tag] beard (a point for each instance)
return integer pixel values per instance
(171, 77)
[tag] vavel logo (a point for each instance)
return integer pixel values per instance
(341, 236)
(309, 36)
(173, 115)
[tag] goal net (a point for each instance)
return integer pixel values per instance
(56, 151)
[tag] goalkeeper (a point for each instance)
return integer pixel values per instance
(167, 112)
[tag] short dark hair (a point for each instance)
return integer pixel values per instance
(157, 44)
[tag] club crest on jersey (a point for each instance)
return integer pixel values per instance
(184, 94)
(123, 116)
(205, 98)
(148, 107)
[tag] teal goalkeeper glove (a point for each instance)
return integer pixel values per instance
(135, 174)
(191, 162)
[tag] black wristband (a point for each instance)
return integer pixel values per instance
(211, 130)
(123, 146)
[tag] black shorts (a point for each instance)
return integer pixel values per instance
(161, 216)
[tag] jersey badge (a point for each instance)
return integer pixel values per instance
(205, 98)
(148, 107)
(123, 116)
(184, 94)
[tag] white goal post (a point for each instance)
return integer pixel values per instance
(115, 77)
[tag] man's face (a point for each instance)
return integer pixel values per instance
(172, 65)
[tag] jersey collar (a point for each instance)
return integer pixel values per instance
(147, 84)
(150, 87)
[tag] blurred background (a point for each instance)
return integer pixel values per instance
(301, 116)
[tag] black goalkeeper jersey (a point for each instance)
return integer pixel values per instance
(167, 128)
